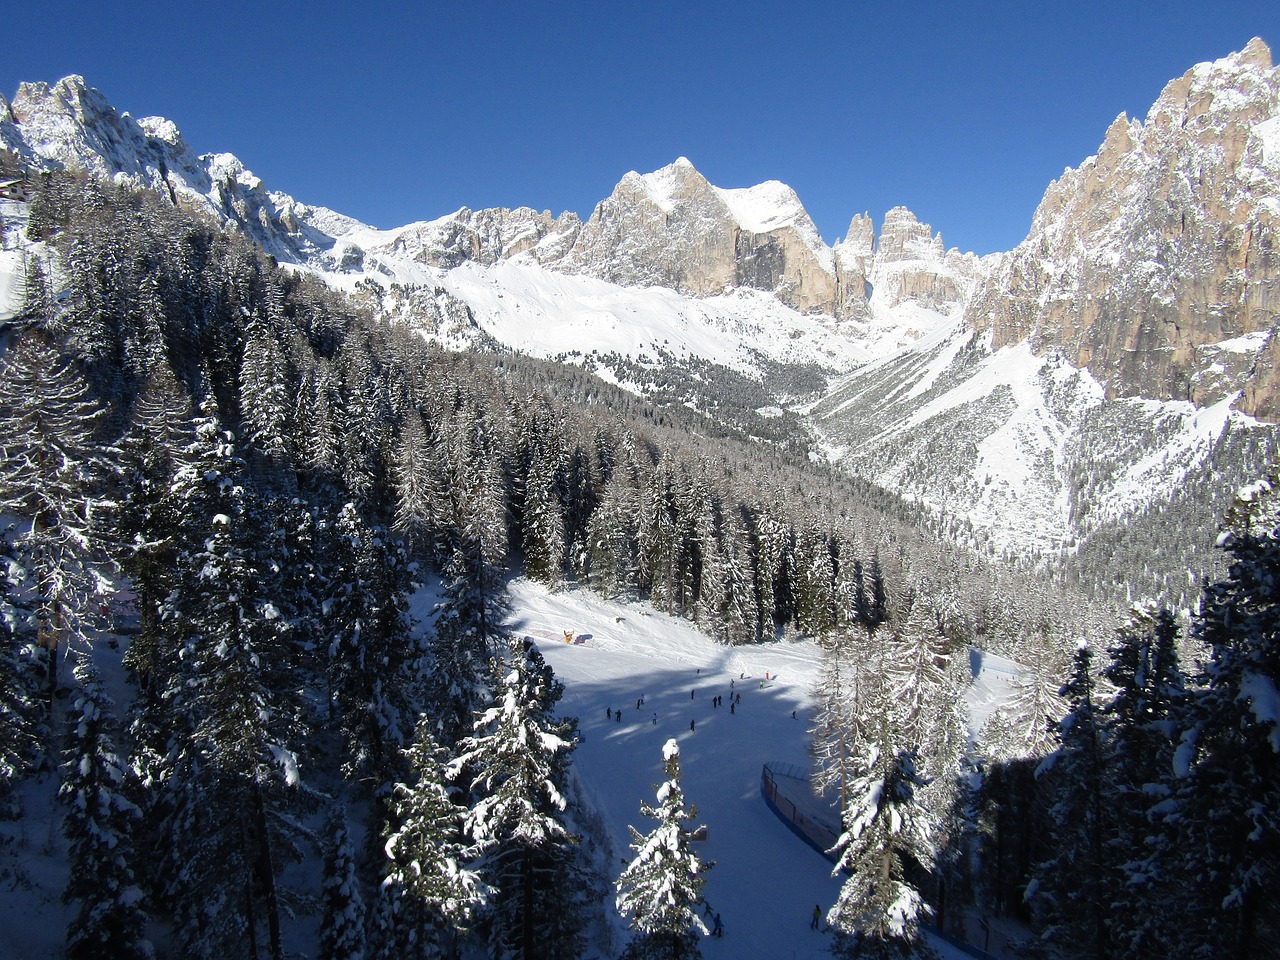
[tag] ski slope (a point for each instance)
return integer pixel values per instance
(766, 880)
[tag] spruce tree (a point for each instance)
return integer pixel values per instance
(1073, 889)
(428, 856)
(48, 465)
(1227, 803)
(465, 628)
(373, 659)
(234, 754)
(100, 826)
(342, 932)
(20, 708)
(661, 889)
(514, 766)
(1137, 724)
(879, 910)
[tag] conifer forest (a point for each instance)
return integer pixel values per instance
(236, 478)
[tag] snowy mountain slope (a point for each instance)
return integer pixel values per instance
(1161, 246)
(71, 125)
(669, 228)
(958, 381)
(1027, 449)
(766, 880)
(553, 315)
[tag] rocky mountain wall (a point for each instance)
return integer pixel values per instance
(1156, 263)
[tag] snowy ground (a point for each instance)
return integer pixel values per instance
(766, 880)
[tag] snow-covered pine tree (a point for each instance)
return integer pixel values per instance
(1023, 727)
(48, 462)
(265, 404)
(373, 657)
(835, 698)
(815, 590)
(1137, 724)
(318, 447)
(925, 687)
(20, 708)
(661, 889)
(100, 827)
(1071, 892)
(342, 922)
(878, 913)
(421, 500)
(235, 717)
(151, 522)
(1227, 803)
(477, 488)
(514, 766)
(612, 537)
(542, 516)
(363, 421)
(463, 649)
(428, 856)
(742, 606)
(775, 544)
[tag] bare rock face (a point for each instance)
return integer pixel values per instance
(672, 228)
(911, 264)
(485, 236)
(72, 126)
(853, 259)
(1156, 264)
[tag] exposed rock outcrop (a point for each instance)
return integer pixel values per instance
(1162, 246)
(672, 228)
(911, 264)
(486, 236)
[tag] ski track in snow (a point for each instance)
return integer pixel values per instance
(766, 880)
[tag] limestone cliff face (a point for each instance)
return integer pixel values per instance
(672, 228)
(911, 264)
(853, 260)
(485, 236)
(72, 126)
(1156, 264)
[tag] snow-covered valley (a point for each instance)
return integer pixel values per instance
(766, 880)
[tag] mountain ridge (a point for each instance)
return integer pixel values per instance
(1146, 293)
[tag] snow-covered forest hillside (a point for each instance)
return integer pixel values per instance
(352, 583)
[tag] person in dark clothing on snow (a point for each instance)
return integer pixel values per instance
(817, 917)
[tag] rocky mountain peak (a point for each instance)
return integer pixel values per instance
(911, 264)
(904, 237)
(1156, 263)
(672, 228)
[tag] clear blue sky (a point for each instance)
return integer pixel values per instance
(393, 112)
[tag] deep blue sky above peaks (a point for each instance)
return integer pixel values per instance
(395, 112)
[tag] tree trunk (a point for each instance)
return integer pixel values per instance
(266, 873)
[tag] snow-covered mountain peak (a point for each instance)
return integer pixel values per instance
(667, 185)
(764, 207)
(1150, 253)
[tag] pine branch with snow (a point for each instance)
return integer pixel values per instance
(661, 889)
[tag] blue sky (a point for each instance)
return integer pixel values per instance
(393, 112)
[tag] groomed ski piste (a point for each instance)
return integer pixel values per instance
(766, 880)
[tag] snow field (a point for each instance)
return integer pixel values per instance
(766, 880)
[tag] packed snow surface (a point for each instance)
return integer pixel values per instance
(766, 880)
